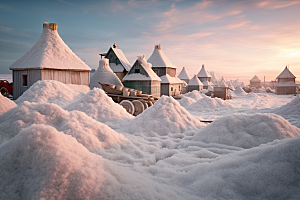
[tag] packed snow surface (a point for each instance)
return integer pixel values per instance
(65, 143)
(239, 91)
(6, 104)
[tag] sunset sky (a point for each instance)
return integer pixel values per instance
(235, 39)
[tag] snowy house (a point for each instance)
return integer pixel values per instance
(221, 90)
(195, 84)
(48, 59)
(170, 86)
(161, 65)
(183, 75)
(104, 74)
(255, 82)
(285, 83)
(117, 61)
(205, 77)
(141, 76)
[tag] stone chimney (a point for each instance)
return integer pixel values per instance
(115, 45)
(51, 26)
(158, 47)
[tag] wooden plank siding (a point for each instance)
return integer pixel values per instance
(147, 86)
(161, 71)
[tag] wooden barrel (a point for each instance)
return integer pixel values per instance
(118, 87)
(149, 103)
(128, 105)
(145, 104)
(138, 107)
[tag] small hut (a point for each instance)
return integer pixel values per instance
(48, 59)
(221, 90)
(255, 82)
(141, 76)
(161, 65)
(285, 83)
(183, 75)
(104, 74)
(117, 61)
(195, 84)
(170, 86)
(205, 77)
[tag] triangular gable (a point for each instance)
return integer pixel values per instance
(159, 59)
(203, 73)
(120, 56)
(286, 73)
(255, 78)
(184, 75)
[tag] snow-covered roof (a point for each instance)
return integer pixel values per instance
(147, 67)
(255, 79)
(184, 75)
(104, 74)
(195, 81)
(286, 74)
(169, 79)
(119, 53)
(222, 83)
(158, 58)
(50, 52)
(203, 73)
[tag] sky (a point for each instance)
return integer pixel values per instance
(235, 39)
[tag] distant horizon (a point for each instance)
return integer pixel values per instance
(235, 39)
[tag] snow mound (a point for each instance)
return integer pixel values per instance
(81, 88)
(89, 132)
(195, 94)
(292, 108)
(42, 163)
(50, 91)
(247, 131)
(239, 91)
(208, 103)
(99, 106)
(104, 74)
(186, 101)
(164, 117)
(6, 104)
(269, 171)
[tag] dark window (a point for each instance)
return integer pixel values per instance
(24, 80)
(171, 88)
(137, 71)
(179, 87)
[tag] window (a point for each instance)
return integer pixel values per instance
(179, 87)
(24, 80)
(171, 88)
(137, 71)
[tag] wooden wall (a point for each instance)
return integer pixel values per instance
(147, 86)
(161, 71)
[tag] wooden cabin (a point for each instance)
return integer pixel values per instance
(205, 77)
(221, 90)
(117, 61)
(141, 76)
(195, 84)
(285, 83)
(170, 86)
(255, 82)
(183, 75)
(48, 59)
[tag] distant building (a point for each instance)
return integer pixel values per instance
(255, 82)
(48, 59)
(205, 77)
(221, 90)
(170, 86)
(117, 61)
(195, 84)
(285, 83)
(166, 70)
(183, 75)
(141, 76)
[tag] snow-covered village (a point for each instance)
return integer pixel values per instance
(151, 119)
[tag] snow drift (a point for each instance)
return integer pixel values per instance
(239, 91)
(247, 131)
(50, 91)
(164, 117)
(209, 104)
(6, 104)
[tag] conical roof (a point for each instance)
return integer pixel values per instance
(222, 83)
(286, 73)
(203, 73)
(158, 58)
(195, 81)
(183, 74)
(50, 52)
(255, 78)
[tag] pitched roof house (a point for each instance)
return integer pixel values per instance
(205, 77)
(195, 84)
(183, 75)
(221, 90)
(255, 82)
(48, 59)
(285, 83)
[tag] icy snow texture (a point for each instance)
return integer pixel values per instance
(208, 103)
(247, 131)
(239, 91)
(90, 133)
(104, 74)
(101, 107)
(6, 104)
(50, 52)
(50, 91)
(165, 117)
